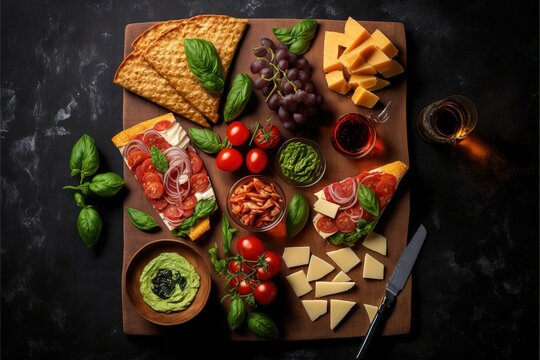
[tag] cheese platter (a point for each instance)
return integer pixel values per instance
(346, 312)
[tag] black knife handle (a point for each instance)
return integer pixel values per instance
(387, 302)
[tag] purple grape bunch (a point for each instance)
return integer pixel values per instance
(285, 80)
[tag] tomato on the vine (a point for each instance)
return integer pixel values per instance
(244, 287)
(267, 137)
(236, 266)
(250, 247)
(229, 159)
(237, 133)
(265, 292)
(271, 266)
(256, 160)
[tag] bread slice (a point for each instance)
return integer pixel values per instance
(153, 32)
(167, 56)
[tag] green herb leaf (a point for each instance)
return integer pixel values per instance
(203, 209)
(304, 29)
(299, 37)
(299, 47)
(368, 200)
(204, 63)
(262, 325)
(238, 96)
(363, 228)
(206, 140)
(283, 35)
(79, 200)
(237, 313)
(297, 214)
(89, 225)
(84, 158)
(107, 184)
(159, 159)
(227, 233)
(142, 220)
(219, 264)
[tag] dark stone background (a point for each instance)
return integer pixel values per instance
(475, 292)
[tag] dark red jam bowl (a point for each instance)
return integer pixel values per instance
(353, 135)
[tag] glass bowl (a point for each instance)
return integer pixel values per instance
(296, 165)
(353, 135)
(238, 209)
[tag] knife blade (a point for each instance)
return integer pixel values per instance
(395, 285)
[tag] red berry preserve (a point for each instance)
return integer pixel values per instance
(353, 135)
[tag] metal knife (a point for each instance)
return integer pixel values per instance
(395, 285)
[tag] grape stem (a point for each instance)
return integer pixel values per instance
(277, 73)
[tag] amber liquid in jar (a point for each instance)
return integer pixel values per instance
(353, 135)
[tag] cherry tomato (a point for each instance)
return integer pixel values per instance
(256, 160)
(250, 247)
(272, 267)
(137, 157)
(244, 287)
(151, 139)
(267, 137)
(386, 187)
(162, 144)
(196, 162)
(187, 213)
(237, 133)
(189, 202)
(163, 125)
(149, 178)
(160, 204)
(154, 190)
(172, 212)
(199, 182)
(371, 180)
(147, 166)
(265, 292)
(344, 222)
(326, 224)
(229, 159)
(238, 266)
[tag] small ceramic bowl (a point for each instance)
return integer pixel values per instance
(246, 181)
(149, 252)
(318, 168)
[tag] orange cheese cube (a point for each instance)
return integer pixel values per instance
(394, 69)
(379, 60)
(384, 43)
(364, 69)
(356, 57)
(365, 81)
(336, 81)
(381, 83)
(364, 97)
(356, 32)
(332, 41)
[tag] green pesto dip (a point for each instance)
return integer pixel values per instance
(169, 283)
(300, 162)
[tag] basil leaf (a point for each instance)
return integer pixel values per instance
(237, 313)
(368, 200)
(142, 220)
(202, 209)
(297, 214)
(206, 140)
(89, 225)
(299, 37)
(204, 63)
(238, 96)
(299, 47)
(84, 158)
(219, 264)
(262, 325)
(106, 184)
(79, 200)
(363, 228)
(283, 35)
(227, 233)
(304, 29)
(159, 159)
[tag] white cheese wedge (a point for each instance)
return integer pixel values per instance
(371, 311)
(318, 268)
(320, 194)
(325, 288)
(345, 258)
(299, 283)
(373, 269)
(341, 277)
(315, 308)
(296, 256)
(324, 235)
(338, 310)
(375, 242)
(325, 207)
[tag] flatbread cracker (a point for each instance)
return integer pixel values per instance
(137, 76)
(167, 56)
(152, 33)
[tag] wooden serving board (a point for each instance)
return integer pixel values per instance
(288, 311)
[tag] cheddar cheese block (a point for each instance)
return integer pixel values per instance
(170, 173)
(362, 199)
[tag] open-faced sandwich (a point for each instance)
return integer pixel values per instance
(348, 210)
(158, 152)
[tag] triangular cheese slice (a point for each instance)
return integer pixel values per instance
(325, 288)
(385, 179)
(375, 242)
(315, 308)
(373, 269)
(338, 310)
(345, 258)
(318, 268)
(371, 311)
(296, 256)
(299, 283)
(341, 277)
(168, 57)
